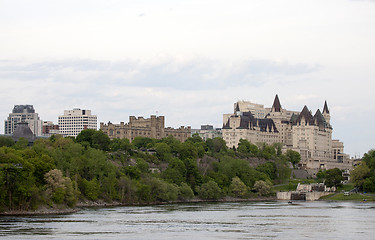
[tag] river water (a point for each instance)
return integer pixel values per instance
(245, 220)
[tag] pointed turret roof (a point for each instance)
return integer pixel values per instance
(237, 107)
(276, 104)
(319, 119)
(325, 109)
(306, 114)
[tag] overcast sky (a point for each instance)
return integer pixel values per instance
(191, 60)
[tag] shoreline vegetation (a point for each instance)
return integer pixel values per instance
(60, 175)
(47, 210)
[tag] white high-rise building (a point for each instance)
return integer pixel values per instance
(23, 113)
(76, 120)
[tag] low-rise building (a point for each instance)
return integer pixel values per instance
(207, 131)
(49, 128)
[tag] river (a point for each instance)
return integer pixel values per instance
(245, 220)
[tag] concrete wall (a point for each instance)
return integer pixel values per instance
(310, 196)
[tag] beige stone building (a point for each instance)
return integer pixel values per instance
(152, 127)
(308, 134)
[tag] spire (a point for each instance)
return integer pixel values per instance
(325, 109)
(276, 104)
(237, 108)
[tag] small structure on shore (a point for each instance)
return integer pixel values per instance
(306, 192)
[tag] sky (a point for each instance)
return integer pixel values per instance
(191, 60)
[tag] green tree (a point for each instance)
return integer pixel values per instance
(142, 142)
(86, 136)
(6, 141)
(293, 157)
(176, 172)
(193, 177)
(187, 150)
(267, 151)
(163, 151)
(56, 187)
(262, 187)
(185, 192)
(321, 175)
(91, 189)
(209, 191)
(268, 168)
(243, 146)
(101, 141)
(359, 174)
(334, 177)
(22, 143)
(95, 139)
(238, 188)
(120, 144)
(216, 145)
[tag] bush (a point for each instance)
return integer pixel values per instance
(185, 192)
(209, 191)
(263, 188)
(238, 188)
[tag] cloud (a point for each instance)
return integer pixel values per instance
(188, 90)
(193, 74)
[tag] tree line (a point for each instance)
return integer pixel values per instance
(91, 166)
(363, 176)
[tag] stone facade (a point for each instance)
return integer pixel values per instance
(152, 127)
(310, 135)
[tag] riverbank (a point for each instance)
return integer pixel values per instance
(350, 197)
(43, 210)
(47, 210)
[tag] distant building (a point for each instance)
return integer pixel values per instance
(152, 127)
(207, 131)
(23, 131)
(76, 120)
(49, 128)
(308, 134)
(23, 113)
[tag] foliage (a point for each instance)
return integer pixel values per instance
(209, 191)
(333, 177)
(6, 141)
(96, 139)
(359, 174)
(66, 170)
(293, 157)
(176, 172)
(238, 188)
(59, 189)
(185, 192)
(262, 187)
(120, 145)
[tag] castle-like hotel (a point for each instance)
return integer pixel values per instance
(310, 135)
